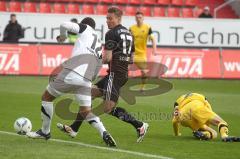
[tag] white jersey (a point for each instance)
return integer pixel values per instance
(87, 51)
(87, 42)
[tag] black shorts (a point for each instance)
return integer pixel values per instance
(110, 85)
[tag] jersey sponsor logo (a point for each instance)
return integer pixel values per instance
(9, 60)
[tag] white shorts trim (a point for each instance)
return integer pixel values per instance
(53, 91)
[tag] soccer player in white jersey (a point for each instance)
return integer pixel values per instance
(75, 77)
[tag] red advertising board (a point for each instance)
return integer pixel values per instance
(52, 56)
(25, 59)
(231, 63)
(18, 59)
(33, 59)
(189, 63)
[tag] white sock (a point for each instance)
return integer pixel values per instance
(96, 123)
(46, 114)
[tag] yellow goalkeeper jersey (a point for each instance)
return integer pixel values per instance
(141, 35)
(194, 111)
(186, 98)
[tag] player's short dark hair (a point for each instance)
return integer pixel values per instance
(89, 21)
(13, 15)
(175, 104)
(139, 12)
(74, 20)
(115, 10)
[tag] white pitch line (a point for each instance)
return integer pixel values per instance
(100, 147)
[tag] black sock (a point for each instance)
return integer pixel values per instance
(122, 114)
(77, 123)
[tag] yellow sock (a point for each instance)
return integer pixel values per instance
(142, 86)
(223, 130)
(144, 81)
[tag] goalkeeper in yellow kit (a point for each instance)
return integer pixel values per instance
(141, 33)
(194, 111)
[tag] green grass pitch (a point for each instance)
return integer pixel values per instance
(21, 96)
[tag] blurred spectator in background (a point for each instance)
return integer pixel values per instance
(72, 37)
(13, 31)
(206, 13)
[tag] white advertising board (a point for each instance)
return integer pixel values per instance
(167, 31)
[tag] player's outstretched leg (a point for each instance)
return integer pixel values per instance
(123, 115)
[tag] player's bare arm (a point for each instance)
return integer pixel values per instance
(107, 56)
(176, 127)
(154, 46)
(175, 122)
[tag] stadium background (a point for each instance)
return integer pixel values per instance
(190, 62)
